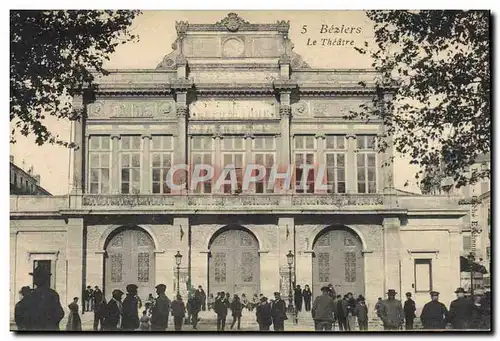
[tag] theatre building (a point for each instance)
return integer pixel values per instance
(234, 93)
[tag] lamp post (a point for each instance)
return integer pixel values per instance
(178, 259)
(471, 259)
(289, 259)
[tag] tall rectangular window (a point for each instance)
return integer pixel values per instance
(47, 265)
(423, 275)
(335, 163)
(162, 155)
(99, 164)
(233, 156)
(305, 149)
(366, 162)
(130, 164)
(202, 154)
(264, 155)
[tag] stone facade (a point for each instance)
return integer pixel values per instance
(233, 80)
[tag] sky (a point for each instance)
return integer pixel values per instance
(156, 30)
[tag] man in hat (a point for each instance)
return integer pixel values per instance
(341, 312)
(21, 307)
(43, 307)
(434, 314)
(113, 312)
(391, 312)
(322, 310)
(263, 314)
(460, 310)
(221, 305)
(361, 313)
(160, 310)
(278, 313)
(332, 290)
(130, 312)
(409, 309)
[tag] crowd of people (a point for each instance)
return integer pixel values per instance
(40, 309)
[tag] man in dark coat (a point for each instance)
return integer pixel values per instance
(86, 299)
(99, 314)
(434, 314)
(297, 298)
(341, 313)
(21, 308)
(98, 296)
(278, 313)
(263, 314)
(351, 308)
(362, 313)
(178, 312)
(195, 308)
(43, 307)
(130, 313)
(113, 312)
(460, 310)
(307, 295)
(322, 311)
(161, 309)
(220, 307)
(409, 309)
(391, 312)
(203, 297)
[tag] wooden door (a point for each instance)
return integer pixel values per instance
(234, 264)
(338, 260)
(130, 260)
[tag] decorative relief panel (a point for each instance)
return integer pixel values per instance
(126, 108)
(117, 241)
(233, 47)
(350, 266)
(232, 201)
(339, 201)
(143, 239)
(232, 109)
(334, 108)
(230, 76)
(372, 235)
(272, 237)
(247, 263)
(93, 237)
(300, 109)
(324, 266)
(201, 46)
(220, 267)
(265, 47)
(323, 240)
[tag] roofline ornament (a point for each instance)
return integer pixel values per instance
(232, 22)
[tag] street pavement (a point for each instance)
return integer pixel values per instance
(208, 322)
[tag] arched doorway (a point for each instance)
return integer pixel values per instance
(130, 260)
(338, 260)
(234, 264)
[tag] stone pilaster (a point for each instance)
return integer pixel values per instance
(320, 160)
(392, 245)
(217, 137)
(374, 277)
(146, 184)
(77, 139)
(248, 155)
(115, 164)
(350, 174)
(74, 258)
(180, 143)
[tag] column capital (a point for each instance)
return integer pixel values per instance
(181, 111)
(320, 136)
(217, 135)
(116, 136)
(285, 111)
(249, 136)
(350, 136)
(146, 136)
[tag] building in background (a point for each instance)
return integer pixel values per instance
(230, 94)
(24, 182)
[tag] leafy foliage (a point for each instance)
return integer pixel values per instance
(433, 89)
(53, 57)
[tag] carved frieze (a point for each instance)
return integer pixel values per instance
(232, 201)
(338, 201)
(131, 109)
(232, 110)
(272, 236)
(126, 200)
(232, 129)
(233, 47)
(93, 237)
(335, 108)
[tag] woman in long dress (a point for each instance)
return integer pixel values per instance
(74, 322)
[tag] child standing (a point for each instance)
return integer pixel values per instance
(145, 325)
